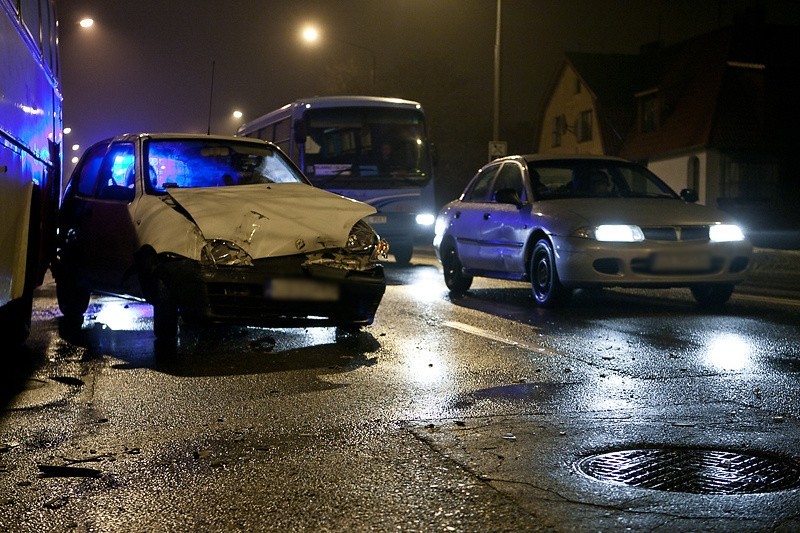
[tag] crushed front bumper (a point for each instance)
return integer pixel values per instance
(275, 292)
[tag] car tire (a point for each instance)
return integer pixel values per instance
(454, 276)
(15, 319)
(73, 300)
(546, 287)
(165, 313)
(712, 295)
(402, 253)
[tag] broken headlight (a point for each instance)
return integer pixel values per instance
(363, 239)
(218, 252)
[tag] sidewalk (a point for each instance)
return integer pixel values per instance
(775, 272)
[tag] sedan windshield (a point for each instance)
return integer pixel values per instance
(189, 163)
(594, 178)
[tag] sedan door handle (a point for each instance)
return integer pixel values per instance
(457, 214)
(487, 216)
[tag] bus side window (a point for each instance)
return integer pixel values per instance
(89, 171)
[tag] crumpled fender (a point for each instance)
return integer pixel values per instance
(264, 220)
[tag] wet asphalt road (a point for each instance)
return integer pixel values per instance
(471, 414)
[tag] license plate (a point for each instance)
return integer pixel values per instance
(680, 262)
(301, 289)
(376, 219)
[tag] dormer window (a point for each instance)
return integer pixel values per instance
(585, 126)
(649, 110)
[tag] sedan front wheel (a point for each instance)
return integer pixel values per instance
(454, 276)
(547, 289)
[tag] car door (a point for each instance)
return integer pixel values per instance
(467, 219)
(103, 229)
(506, 225)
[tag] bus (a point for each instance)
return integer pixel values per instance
(372, 149)
(30, 156)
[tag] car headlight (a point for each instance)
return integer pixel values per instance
(612, 233)
(363, 238)
(218, 252)
(441, 225)
(425, 219)
(725, 233)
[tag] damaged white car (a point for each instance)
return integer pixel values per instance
(213, 229)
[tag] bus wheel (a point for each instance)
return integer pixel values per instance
(402, 253)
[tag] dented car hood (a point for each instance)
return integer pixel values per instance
(271, 220)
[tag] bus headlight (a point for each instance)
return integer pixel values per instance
(425, 219)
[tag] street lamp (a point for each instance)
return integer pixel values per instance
(311, 35)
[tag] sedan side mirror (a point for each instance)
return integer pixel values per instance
(508, 196)
(689, 195)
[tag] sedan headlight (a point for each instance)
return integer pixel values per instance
(725, 233)
(612, 233)
(218, 252)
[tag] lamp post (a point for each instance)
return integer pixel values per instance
(496, 122)
(311, 35)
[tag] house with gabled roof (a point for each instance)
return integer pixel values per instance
(719, 113)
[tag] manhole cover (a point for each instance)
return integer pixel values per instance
(694, 471)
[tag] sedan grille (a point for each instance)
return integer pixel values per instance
(675, 233)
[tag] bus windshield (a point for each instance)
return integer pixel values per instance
(366, 148)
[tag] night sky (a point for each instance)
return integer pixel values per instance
(146, 65)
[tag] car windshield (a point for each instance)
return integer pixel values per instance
(364, 148)
(189, 163)
(594, 178)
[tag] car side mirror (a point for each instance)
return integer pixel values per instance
(689, 195)
(508, 196)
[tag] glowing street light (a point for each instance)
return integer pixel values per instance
(86, 23)
(237, 114)
(310, 34)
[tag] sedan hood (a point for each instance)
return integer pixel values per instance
(272, 220)
(639, 211)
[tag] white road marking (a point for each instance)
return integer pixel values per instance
(466, 328)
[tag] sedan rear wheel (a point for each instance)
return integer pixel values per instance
(712, 295)
(454, 276)
(547, 289)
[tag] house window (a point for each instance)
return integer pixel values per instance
(585, 126)
(649, 112)
(558, 127)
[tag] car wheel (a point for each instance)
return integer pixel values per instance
(402, 253)
(454, 276)
(547, 289)
(73, 300)
(165, 313)
(15, 319)
(712, 295)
